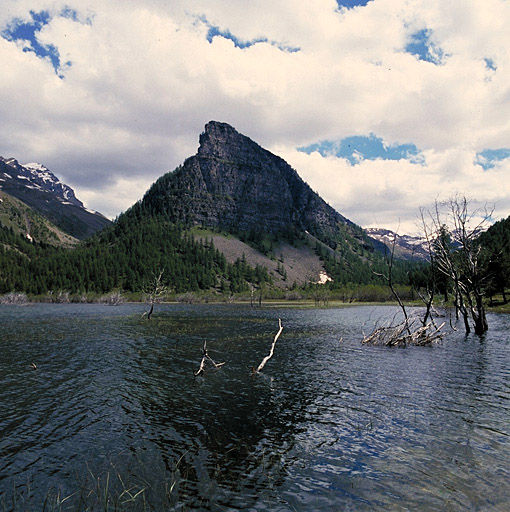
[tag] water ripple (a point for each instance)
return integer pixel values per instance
(330, 424)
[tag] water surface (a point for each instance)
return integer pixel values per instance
(113, 418)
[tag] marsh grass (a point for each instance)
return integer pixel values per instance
(109, 492)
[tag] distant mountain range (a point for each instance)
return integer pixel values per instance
(40, 190)
(405, 246)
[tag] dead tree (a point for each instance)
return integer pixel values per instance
(455, 230)
(154, 290)
(271, 352)
(410, 331)
(389, 280)
(205, 357)
(404, 334)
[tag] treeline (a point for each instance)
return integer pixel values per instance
(126, 257)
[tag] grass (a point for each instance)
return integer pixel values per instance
(111, 492)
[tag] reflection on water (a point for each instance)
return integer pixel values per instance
(114, 419)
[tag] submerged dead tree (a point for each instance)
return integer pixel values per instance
(411, 331)
(408, 332)
(205, 357)
(455, 228)
(155, 290)
(271, 352)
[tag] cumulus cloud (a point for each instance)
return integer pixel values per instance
(138, 81)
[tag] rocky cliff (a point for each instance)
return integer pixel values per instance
(234, 183)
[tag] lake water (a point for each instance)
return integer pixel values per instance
(113, 418)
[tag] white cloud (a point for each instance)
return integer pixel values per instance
(388, 193)
(144, 80)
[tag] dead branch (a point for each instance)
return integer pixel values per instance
(206, 356)
(404, 334)
(268, 357)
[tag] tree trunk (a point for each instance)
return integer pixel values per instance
(480, 319)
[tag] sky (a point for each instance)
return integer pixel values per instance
(382, 106)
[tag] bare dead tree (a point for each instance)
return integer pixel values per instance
(154, 289)
(271, 352)
(454, 227)
(410, 331)
(430, 286)
(404, 334)
(389, 280)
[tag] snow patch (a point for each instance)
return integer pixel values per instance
(323, 278)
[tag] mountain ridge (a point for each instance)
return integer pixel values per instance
(36, 186)
(234, 185)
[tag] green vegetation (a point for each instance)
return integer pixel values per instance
(26, 221)
(126, 256)
(123, 257)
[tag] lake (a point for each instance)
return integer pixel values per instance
(114, 419)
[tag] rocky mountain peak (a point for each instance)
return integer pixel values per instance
(234, 183)
(224, 143)
(42, 177)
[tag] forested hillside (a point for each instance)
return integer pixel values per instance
(231, 184)
(496, 246)
(124, 257)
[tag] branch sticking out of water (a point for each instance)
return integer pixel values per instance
(268, 357)
(205, 356)
(404, 334)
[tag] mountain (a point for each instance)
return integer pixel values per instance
(406, 246)
(27, 222)
(232, 183)
(37, 187)
(232, 218)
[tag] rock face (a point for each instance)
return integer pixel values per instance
(234, 183)
(36, 186)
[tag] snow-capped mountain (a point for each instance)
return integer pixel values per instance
(406, 246)
(39, 188)
(41, 176)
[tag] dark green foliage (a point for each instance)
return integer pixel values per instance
(124, 257)
(496, 246)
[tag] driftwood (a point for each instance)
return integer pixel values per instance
(404, 334)
(268, 357)
(205, 357)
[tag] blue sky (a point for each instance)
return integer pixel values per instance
(352, 3)
(396, 102)
(243, 43)
(422, 46)
(22, 30)
(357, 148)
